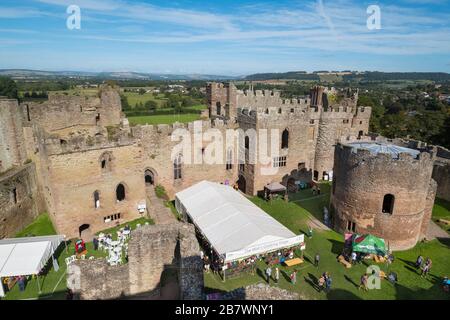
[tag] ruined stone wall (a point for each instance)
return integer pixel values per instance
(12, 149)
(221, 100)
(74, 177)
(361, 180)
(441, 174)
(153, 250)
(64, 111)
(20, 200)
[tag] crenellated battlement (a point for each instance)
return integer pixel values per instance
(387, 155)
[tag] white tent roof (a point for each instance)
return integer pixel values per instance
(26, 256)
(229, 220)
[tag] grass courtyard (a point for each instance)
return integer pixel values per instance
(329, 244)
(294, 214)
(53, 283)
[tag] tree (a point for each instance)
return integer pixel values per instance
(141, 91)
(151, 105)
(8, 88)
(124, 101)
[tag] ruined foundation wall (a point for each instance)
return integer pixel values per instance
(153, 249)
(20, 201)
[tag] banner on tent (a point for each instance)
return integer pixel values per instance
(266, 247)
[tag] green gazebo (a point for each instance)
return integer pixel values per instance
(369, 244)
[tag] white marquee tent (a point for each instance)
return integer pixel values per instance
(26, 256)
(234, 226)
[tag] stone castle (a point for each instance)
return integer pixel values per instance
(79, 159)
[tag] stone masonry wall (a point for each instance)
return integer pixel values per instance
(20, 201)
(362, 180)
(152, 250)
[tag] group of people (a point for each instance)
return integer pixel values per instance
(292, 276)
(425, 266)
(325, 282)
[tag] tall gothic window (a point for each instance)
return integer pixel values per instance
(120, 192)
(285, 139)
(229, 163)
(96, 199)
(388, 204)
(177, 167)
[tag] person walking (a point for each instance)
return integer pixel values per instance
(95, 242)
(269, 274)
(328, 283)
(21, 282)
(354, 257)
(277, 275)
(425, 269)
(419, 262)
(316, 260)
(321, 283)
(294, 277)
(363, 282)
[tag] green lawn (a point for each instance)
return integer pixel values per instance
(41, 226)
(164, 119)
(53, 283)
(441, 210)
(329, 244)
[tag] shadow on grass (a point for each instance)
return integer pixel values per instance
(444, 241)
(340, 294)
(336, 246)
(312, 281)
(351, 281)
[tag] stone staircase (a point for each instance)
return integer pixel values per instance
(156, 208)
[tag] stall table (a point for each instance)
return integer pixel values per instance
(293, 262)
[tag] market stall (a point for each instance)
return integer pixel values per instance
(235, 230)
(26, 256)
(274, 189)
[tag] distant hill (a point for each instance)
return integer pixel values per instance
(350, 76)
(39, 74)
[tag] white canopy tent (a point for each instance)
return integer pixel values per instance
(26, 256)
(234, 226)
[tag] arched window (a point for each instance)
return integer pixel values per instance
(285, 139)
(177, 167)
(388, 204)
(219, 108)
(120, 192)
(229, 163)
(279, 110)
(247, 143)
(96, 199)
(267, 111)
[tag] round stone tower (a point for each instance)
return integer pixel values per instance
(384, 190)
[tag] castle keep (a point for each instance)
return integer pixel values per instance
(383, 189)
(79, 159)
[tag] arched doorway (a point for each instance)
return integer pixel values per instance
(149, 177)
(242, 184)
(85, 232)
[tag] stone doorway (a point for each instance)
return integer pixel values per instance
(149, 177)
(242, 184)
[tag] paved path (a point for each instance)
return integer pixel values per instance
(434, 231)
(156, 208)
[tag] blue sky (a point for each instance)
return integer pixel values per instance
(225, 36)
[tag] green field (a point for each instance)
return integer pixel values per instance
(163, 119)
(329, 244)
(134, 98)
